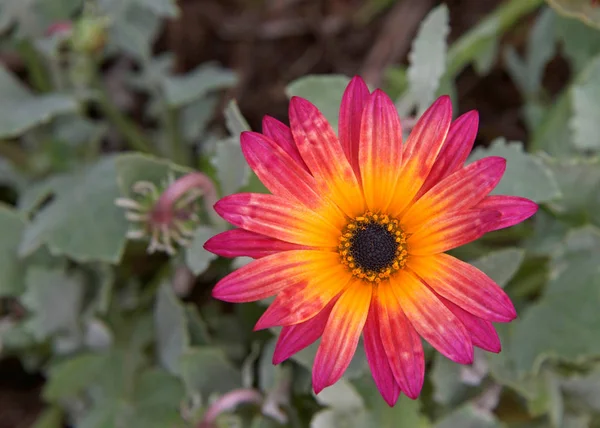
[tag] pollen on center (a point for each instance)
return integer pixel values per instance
(373, 246)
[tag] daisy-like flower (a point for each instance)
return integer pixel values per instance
(352, 239)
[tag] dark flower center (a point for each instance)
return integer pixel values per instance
(373, 247)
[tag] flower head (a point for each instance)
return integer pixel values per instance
(352, 238)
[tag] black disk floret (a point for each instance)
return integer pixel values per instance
(373, 246)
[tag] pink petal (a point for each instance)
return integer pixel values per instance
(351, 108)
(461, 190)
(304, 300)
(450, 230)
(464, 285)
(483, 334)
(401, 342)
(341, 335)
(279, 218)
(295, 338)
(322, 152)
(282, 135)
(432, 319)
(240, 242)
(378, 360)
(282, 175)
(420, 152)
(269, 275)
(455, 150)
(513, 209)
(380, 151)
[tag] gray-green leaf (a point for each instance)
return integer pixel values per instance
(526, 175)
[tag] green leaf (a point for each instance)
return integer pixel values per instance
(584, 389)
(526, 175)
(162, 8)
(194, 117)
(578, 181)
(12, 225)
(584, 10)
(346, 407)
(196, 257)
(133, 29)
(81, 222)
(324, 91)
(567, 310)
(552, 134)
(182, 90)
(206, 370)
(170, 323)
(157, 399)
(199, 335)
(469, 416)
(71, 376)
(20, 110)
(54, 299)
(579, 42)
(232, 169)
(428, 57)
(528, 73)
(500, 265)
(234, 120)
(406, 412)
(445, 376)
(585, 95)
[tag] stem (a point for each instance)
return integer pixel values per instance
(130, 131)
(474, 42)
(37, 72)
(228, 402)
(178, 152)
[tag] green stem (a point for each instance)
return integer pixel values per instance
(128, 129)
(38, 74)
(177, 145)
(473, 42)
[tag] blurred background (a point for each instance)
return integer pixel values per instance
(82, 79)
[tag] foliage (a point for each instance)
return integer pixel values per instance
(127, 338)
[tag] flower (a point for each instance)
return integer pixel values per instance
(167, 214)
(352, 239)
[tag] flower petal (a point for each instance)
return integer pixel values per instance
(322, 152)
(420, 152)
(513, 209)
(341, 335)
(242, 243)
(380, 150)
(295, 338)
(377, 358)
(279, 218)
(455, 150)
(269, 275)
(401, 342)
(282, 135)
(483, 334)
(282, 175)
(464, 285)
(451, 230)
(353, 101)
(463, 189)
(304, 300)
(432, 319)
